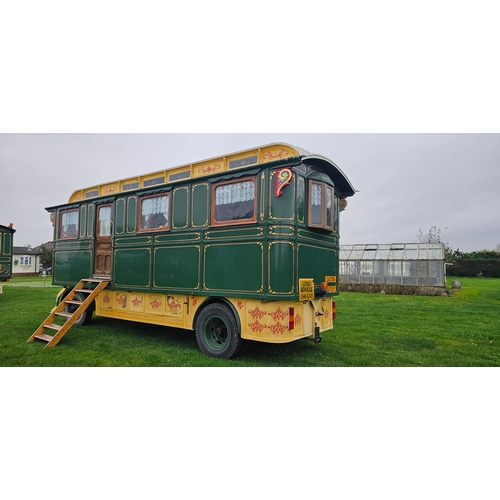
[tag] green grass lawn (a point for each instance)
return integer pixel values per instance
(370, 330)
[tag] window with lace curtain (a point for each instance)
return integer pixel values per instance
(154, 211)
(105, 221)
(69, 224)
(234, 202)
(321, 206)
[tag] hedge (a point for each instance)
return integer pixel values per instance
(489, 268)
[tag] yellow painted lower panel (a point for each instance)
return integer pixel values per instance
(154, 308)
(268, 321)
(263, 321)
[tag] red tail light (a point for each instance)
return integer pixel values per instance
(334, 310)
(291, 318)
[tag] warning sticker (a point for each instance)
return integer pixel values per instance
(306, 289)
(330, 280)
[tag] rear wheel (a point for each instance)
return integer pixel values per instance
(86, 316)
(217, 332)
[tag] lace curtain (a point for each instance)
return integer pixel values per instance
(316, 195)
(69, 223)
(69, 218)
(233, 193)
(105, 221)
(158, 205)
(154, 213)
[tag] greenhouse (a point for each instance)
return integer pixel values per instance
(418, 266)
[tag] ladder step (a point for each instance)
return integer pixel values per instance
(66, 315)
(43, 336)
(76, 302)
(52, 326)
(86, 290)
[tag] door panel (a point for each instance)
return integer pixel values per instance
(103, 240)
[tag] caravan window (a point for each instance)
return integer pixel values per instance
(69, 224)
(234, 202)
(321, 206)
(154, 213)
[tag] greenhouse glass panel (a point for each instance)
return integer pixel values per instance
(357, 252)
(436, 273)
(383, 252)
(422, 273)
(344, 253)
(343, 265)
(410, 272)
(353, 271)
(411, 252)
(380, 272)
(435, 253)
(366, 271)
(396, 253)
(394, 273)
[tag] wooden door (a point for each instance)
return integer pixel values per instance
(103, 240)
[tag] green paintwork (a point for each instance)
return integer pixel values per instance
(131, 214)
(200, 205)
(71, 265)
(316, 262)
(180, 212)
(236, 267)
(262, 260)
(282, 207)
(280, 267)
(120, 214)
(6, 256)
(132, 267)
(175, 268)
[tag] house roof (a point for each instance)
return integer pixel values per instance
(24, 251)
(32, 250)
(49, 246)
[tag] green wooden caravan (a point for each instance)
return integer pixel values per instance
(6, 255)
(240, 247)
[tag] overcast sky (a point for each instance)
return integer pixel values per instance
(406, 182)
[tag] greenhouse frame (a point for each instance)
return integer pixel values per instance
(409, 268)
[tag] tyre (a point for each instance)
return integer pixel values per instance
(217, 332)
(86, 316)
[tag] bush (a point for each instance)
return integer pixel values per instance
(489, 268)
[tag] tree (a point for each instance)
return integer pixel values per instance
(45, 256)
(433, 236)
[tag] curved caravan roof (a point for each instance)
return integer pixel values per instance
(233, 161)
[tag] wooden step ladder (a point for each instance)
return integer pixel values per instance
(90, 288)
